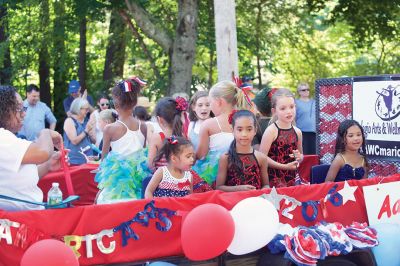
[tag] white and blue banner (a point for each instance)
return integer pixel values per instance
(376, 106)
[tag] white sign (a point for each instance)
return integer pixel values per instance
(383, 203)
(376, 106)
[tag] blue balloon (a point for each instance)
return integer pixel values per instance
(387, 252)
(161, 263)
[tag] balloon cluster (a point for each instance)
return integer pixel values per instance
(210, 229)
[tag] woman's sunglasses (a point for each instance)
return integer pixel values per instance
(105, 104)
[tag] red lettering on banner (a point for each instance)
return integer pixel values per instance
(385, 208)
(396, 207)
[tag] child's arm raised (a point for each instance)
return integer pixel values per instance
(336, 164)
(153, 184)
(204, 139)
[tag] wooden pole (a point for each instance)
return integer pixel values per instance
(226, 41)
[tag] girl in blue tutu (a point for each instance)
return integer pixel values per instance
(216, 133)
(122, 170)
(174, 179)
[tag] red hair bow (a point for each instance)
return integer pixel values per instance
(245, 89)
(181, 104)
(230, 117)
(271, 93)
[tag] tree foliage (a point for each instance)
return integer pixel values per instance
(280, 42)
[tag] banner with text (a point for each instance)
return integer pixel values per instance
(376, 106)
(383, 203)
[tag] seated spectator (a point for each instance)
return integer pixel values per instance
(37, 113)
(23, 162)
(76, 132)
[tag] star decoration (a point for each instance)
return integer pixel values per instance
(347, 192)
(274, 198)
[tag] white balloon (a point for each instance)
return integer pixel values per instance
(256, 223)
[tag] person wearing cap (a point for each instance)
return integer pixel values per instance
(37, 114)
(305, 118)
(247, 81)
(74, 91)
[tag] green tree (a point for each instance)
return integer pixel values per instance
(44, 63)
(180, 46)
(115, 53)
(5, 57)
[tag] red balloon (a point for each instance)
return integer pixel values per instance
(207, 232)
(49, 252)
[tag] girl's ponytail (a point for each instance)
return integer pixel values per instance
(177, 125)
(171, 111)
(242, 99)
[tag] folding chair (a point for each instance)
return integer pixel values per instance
(318, 173)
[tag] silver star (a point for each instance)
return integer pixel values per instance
(273, 197)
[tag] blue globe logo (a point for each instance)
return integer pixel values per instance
(387, 105)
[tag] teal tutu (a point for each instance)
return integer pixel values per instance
(120, 178)
(207, 168)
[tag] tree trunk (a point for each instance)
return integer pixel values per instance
(60, 82)
(142, 44)
(5, 64)
(183, 51)
(258, 44)
(115, 53)
(211, 40)
(82, 53)
(44, 57)
(225, 35)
